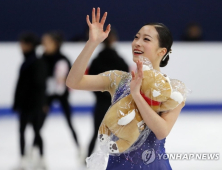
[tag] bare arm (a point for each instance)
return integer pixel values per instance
(160, 125)
(76, 78)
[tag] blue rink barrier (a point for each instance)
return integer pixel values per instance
(54, 110)
(203, 107)
(88, 109)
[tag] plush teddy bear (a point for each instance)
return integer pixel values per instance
(123, 118)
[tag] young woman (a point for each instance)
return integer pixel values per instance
(153, 41)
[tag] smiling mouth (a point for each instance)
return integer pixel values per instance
(137, 52)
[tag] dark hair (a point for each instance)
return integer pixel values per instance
(29, 38)
(56, 36)
(165, 40)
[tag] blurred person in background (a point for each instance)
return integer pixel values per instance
(107, 59)
(30, 96)
(58, 66)
(193, 32)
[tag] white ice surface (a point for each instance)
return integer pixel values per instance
(193, 132)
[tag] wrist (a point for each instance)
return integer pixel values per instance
(92, 42)
(136, 95)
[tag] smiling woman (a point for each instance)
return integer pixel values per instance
(153, 41)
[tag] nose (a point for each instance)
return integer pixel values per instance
(137, 43)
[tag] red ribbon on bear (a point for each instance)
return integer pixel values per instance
(150, 101)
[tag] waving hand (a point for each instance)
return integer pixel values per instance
(137, 78)
(96, 32)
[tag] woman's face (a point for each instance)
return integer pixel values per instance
(49, 44)
(146, 43)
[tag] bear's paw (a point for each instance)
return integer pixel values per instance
(103, 138)
(113, 148)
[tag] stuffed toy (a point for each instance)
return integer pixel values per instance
(123, 118)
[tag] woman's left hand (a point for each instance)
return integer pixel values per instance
(137, 78)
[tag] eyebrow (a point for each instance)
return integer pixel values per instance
(145, 34)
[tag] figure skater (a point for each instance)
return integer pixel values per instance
(58, 66)
(153, 41)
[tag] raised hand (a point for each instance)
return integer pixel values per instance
(96, 32)
(137, 78)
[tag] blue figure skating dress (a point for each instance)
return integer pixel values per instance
(150, 155)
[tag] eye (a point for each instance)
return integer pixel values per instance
(146, 39)
(135, 37)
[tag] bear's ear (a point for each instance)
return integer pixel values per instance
(177, 96)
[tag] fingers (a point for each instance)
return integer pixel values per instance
(96, 18)
(140, 68)
(93, 15)
(108, 28)
(87, 20)
(98, 15)
(104, 18)
(133, 75)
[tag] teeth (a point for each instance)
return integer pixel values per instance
(138, 52)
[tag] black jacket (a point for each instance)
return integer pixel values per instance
(30, 90)
(108, 59)
(52, 59)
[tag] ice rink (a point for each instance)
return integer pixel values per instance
(194, 132)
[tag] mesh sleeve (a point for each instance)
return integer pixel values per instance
(111, 79)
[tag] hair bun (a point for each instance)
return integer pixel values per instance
(164, 63)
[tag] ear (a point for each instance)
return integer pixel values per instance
(162, 52)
